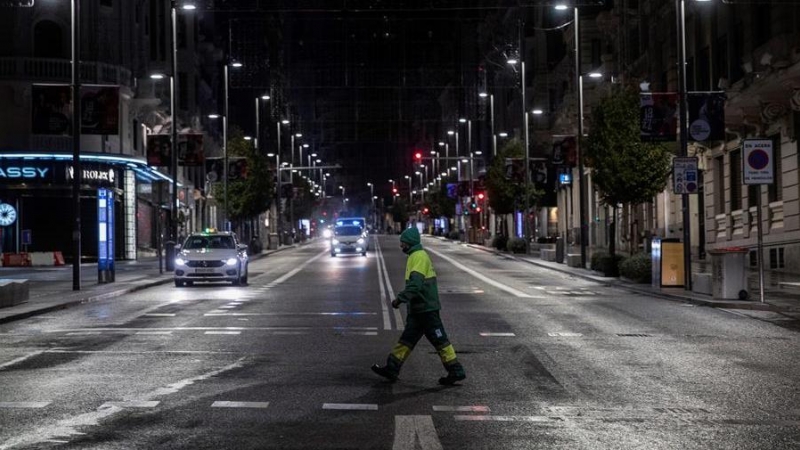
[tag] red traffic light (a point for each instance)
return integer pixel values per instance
(394, 190)
(418, 156)
(481, 196)
(425, 211)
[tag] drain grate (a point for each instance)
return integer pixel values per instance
(634, 335)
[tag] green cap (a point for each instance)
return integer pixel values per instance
(410, 236)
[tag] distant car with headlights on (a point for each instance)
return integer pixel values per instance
(349, 239)
(211, 256)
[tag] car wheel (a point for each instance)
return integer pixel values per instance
(178, 283)
(333, 255)
(364, 254)
(244, 279)
(237, 282)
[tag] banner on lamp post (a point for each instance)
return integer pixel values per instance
(99, 109)
(159, 150)
(658, 119)
(706, 116)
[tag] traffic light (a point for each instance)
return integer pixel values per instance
(418, 156)
(481, 196)
(394, 190)
(425, 210)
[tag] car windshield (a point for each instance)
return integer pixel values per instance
(347, 231)
(204, 242)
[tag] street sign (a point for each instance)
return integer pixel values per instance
(757, 162)
(684, 175)
(27, 237)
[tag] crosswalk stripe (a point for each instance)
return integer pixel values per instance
(223, 332)
(487, 334)
(131, 404)
(229, 404)
(351, 406)
(508, 418)
(23, 404)
(159, 315)
(474, 408)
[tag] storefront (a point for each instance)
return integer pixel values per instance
(39, 189)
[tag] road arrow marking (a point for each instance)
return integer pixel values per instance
(415, 432)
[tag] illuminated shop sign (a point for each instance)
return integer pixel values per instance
(56, 172)
(24, 172)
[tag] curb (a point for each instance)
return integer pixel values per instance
(675, 297)
(113, 294)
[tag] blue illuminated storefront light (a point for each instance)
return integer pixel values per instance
(139, 166)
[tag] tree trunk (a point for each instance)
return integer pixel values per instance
(612, 231)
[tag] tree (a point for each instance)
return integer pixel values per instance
(625, 170)
(399, 211)
(439, 204)
(249, 196)
(507, 194)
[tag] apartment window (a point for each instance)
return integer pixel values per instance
(753, 258)
(721, 62)
(719, 185)
(775, 190)
(776, 260)
(735, 174)
(47, 40)
(753, 191)
(183, 90)
(703, 70)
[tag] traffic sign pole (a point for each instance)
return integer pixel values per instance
(758, 169)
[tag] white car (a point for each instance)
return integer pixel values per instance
(211, 256)
(349, 239)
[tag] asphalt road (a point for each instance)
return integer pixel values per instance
(553, 362)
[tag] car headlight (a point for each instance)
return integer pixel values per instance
(360, 240)
(335, 242)
(232, 261)
(180, 261)
(326, 233)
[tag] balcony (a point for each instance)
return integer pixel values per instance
(40, 70)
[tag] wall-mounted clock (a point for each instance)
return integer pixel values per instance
(7, 214)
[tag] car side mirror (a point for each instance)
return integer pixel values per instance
(177, 247)
(242, 247)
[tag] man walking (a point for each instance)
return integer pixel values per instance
(421, 293)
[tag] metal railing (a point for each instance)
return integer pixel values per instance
(59, 71)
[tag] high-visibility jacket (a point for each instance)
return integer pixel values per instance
(421, 291)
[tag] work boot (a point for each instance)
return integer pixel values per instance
(451, 379)
(384, 372)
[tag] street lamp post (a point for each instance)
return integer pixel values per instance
(280, 183)
(76, 146)
(410, 199)
(578, 147)
(372, 202)
(684, 145)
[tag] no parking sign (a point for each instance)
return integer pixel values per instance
(757, 162)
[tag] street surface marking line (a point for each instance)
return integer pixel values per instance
(83, 333)
(159, 315)
(296, 270)
(360, 333)
(23, 404)
(351, 406)
(154, 332)
(398, 318)
(498, 334)
(20, 359)
(131, 404)
(481, 277)
(119, 330)
(228, 306)
(565, 334)
(509, 418)
(409, 431)
(475, 408)
(387, 323)
(343, 313)
(223, 332)
(227, 404)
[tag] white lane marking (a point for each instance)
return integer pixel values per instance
(509, 418)
(474, 408)
(20, 359)
(360, 333)
(83, 333)
(290, 333)
(498, 334)
(411, 430)
(296, 270)
(23, 404)
(161, 333)
(238, 303)
(131, 404)
(227, 404)
(69, 426)
(398, 318)
(228, 307)
(351, 406)
(485, 279)
(226, 313)
(128, 330)
(223, 332)
(565, 334)
(387, 323)
(159, 315)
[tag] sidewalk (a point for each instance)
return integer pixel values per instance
(777, 299)
(51, 287)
